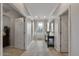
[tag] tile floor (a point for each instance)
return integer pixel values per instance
(39, 48)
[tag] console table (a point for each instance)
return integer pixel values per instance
(50, 41)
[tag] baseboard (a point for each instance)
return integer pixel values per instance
(57, 49)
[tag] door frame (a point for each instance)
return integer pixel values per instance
(69, 29)
(61, 27)
(23, 32)
(25, 43)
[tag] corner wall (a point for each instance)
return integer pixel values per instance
(0, 31)
(75, 29)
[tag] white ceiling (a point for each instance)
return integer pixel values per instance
(7, 9)
(34, 9)
(40, 9)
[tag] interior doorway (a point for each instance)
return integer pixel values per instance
(64, 32)
(19, 33)
(28, 33)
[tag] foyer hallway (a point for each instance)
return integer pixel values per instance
(39, 48)
(56, 23)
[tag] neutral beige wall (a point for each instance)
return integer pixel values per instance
(75, 29)
(0, 29)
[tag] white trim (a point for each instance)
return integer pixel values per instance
(27, 9)
(69, 30)
(54, 9)
(1, 52)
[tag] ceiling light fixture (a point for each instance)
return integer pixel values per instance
(36, 16)
(44, 16)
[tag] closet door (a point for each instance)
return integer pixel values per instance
(27, 34)
(19, 33)
(64, 32)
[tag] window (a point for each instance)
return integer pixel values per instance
(52, 29)
(40, 27)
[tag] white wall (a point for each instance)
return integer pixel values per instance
(9, 20)
(6, 21)
(57, 34)
(75, 29)
(28, 33)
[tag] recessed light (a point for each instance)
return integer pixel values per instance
(44, 16)
(36, 16)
